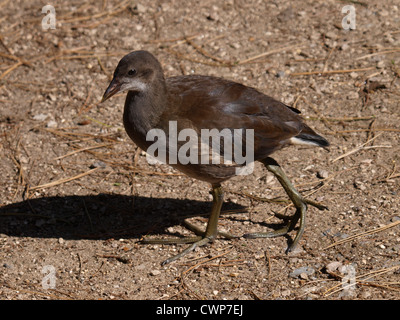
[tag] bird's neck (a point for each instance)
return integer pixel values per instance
(142, 112)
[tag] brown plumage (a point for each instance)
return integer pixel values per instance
(202, 102)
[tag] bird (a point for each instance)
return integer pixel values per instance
(196, 103)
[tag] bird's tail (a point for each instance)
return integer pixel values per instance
(309, 137)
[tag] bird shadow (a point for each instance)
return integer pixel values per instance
(102, 216)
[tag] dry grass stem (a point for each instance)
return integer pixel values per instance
(12, 68)
(61, 181)
(364, 281)
(206, 53)
(322, 72)
(267, 53)
(390, 225)
(378, 53)
(366, 130)
(360, 147)
(205, 261)
(118, 8)
(347, 119)
(83, 149)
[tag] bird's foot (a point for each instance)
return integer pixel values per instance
(298, 201)
(292, 220)
(300, 214)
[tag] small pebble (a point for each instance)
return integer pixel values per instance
(40, 117)
(140, 8)
(51, 124)
(331, 35)
(353, 75)
(344, 46)
(323, 174)
(285, 293)
(352, 95)
(333, 266)
(302, 272)
(303, 276)
(360, 185)
(98, 164)
(155, 272)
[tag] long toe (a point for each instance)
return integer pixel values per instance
(187, 250)
(272, 234)
(171, 241)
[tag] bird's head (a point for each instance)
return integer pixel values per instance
(135, 72)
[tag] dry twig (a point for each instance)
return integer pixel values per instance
(322, 72)
(61, 181)
(360, 147)
(83, 149)
(390, 225)
(364, 281)
(267, 53)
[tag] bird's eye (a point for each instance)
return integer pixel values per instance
(131, 72)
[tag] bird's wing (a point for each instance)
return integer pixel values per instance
(217, 103)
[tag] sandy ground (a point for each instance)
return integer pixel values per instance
(77, 194)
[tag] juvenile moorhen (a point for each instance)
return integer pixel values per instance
(202, 102)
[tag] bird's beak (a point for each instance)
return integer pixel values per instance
(113, 88)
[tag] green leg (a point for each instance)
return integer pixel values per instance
(299, 203)
(204, 237)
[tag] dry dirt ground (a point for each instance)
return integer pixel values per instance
(77, 195)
